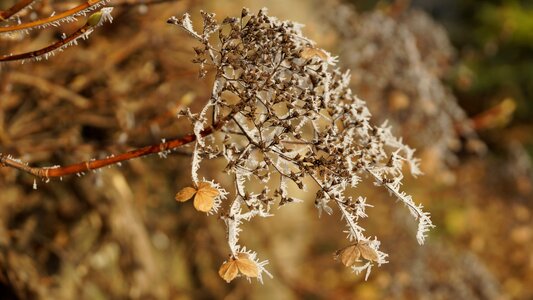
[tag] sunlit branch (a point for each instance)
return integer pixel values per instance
(93, 21)
(49, 49)
(8, 13)
(78, 168)
(81, 9)
(126, 3)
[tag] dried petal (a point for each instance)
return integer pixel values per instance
(349, 255)
(228, 271)
(368, 252)
(311, 52)
(185, 194)
(203, 203)
(205, 197)
(206, 189)
(246, 266)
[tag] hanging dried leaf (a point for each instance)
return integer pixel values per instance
(349, 255)
(229, 270)
(246, 266)
(205, 197)
(185, 194)
(367, 252)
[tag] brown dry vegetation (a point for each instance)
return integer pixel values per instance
(119, 233)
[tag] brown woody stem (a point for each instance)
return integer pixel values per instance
(68, 13)
(117, 3)
(48, 49)
(51, 172)
(8, 13)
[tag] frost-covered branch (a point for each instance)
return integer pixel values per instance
(95, 20)
(56, 19)
(14, 9)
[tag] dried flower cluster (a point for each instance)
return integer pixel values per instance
(287, 117)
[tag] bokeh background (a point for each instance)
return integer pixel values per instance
(455, 78)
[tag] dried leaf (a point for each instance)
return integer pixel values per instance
(185, 194)
(246, 266)
(206, 189)
(311, 52)
(203, 203)
(228, 271)
(368, 252)
(349, 255)
(205, 197)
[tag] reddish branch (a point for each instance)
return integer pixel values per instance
(8, 13)
(42, 22)
(51, 172)
(48, 49)
(117, 3)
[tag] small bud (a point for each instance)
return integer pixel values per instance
(98, 18)
(245, 12)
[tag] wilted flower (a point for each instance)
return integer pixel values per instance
(283, 113)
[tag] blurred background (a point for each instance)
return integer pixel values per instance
(455, 78)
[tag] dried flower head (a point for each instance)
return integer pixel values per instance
(284, 113)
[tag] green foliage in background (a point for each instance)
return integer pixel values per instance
(495, 39)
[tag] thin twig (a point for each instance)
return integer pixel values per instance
(117, 3)
(78, 168)
(48, 49)
(340, 204)
(71, 13)
(8, 13)
(95, 20)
